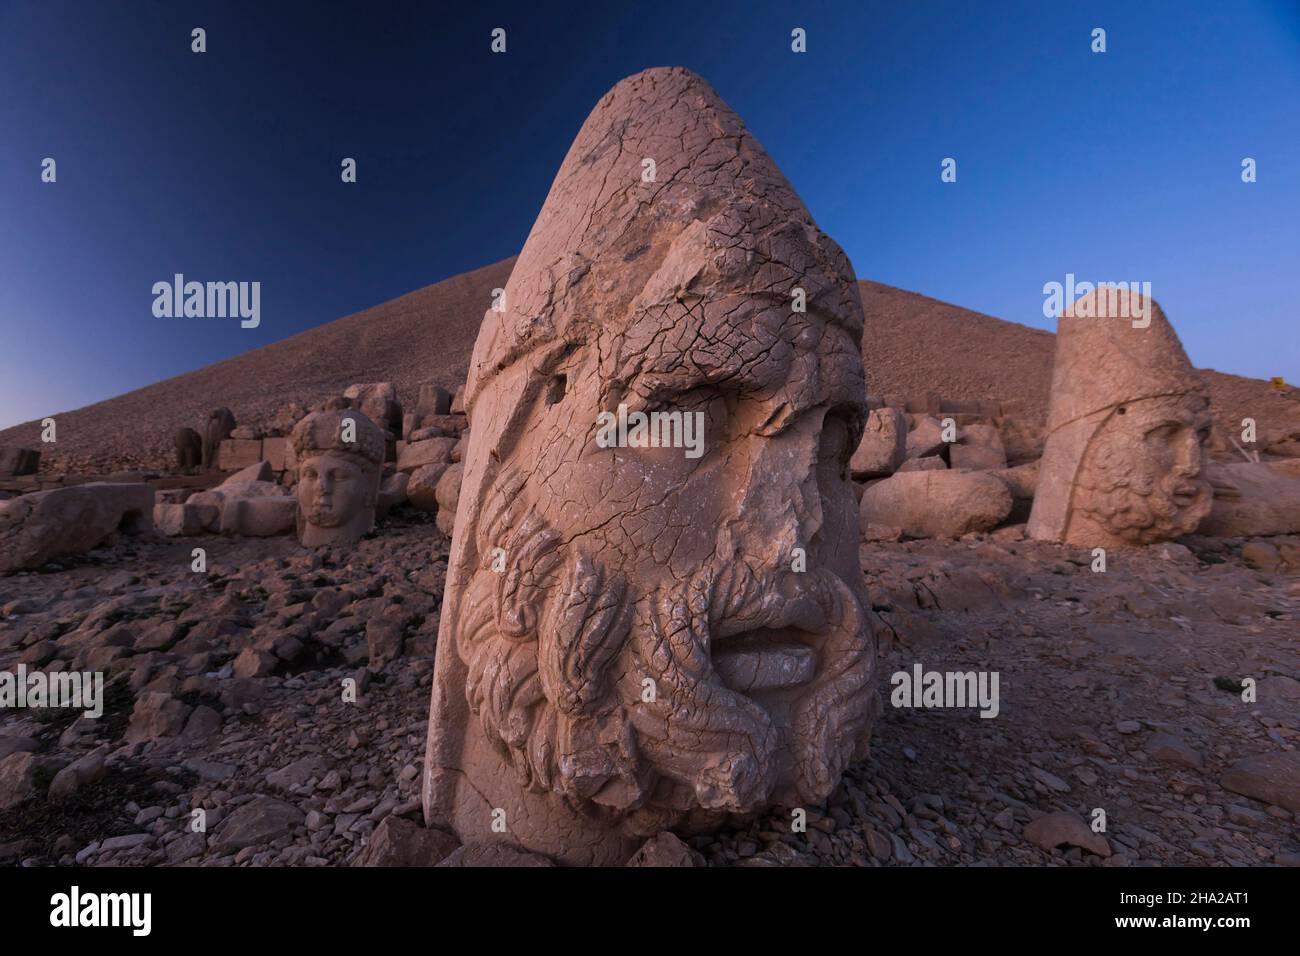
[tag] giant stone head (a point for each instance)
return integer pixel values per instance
(663, 621)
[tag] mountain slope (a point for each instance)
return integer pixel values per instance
(913, 344)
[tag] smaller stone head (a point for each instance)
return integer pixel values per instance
(340, 455)
(1140, 479)
(1128, 419)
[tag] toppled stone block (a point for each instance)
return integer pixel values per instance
(432, 451)
(936, 504)
(47, 525)
(21, 774)
(235, 454)
(1250, 499)
(883, 447)
(173, 520)
(278, 453)
(262, 820)
(259, 517)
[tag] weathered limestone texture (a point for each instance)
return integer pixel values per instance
(636, 638)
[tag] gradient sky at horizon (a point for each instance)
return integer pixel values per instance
(225, 165)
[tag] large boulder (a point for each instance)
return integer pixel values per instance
(53, 524)
(935, 504)
(883, 447)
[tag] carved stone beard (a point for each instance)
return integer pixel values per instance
(1135, 505)
(610, 698)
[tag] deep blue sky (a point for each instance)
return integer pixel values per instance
(225, 166)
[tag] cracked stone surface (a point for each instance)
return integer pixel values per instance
(645, 656)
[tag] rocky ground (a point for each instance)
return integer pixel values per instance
(1118, 690)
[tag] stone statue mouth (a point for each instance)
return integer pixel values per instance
(765, 659)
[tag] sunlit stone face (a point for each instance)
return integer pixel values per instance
(339, 454)
(1141, 478)
(332, 490)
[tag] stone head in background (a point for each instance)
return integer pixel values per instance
(647, 634)
(220, 423)
(340, 455)
(189, 449)
(1128, 416)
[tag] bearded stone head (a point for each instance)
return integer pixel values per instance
(1140, 480)
(655, 632)
(340, 456)
(1127, 423)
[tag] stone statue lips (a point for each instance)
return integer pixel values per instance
(765, 659)
(751, 657)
